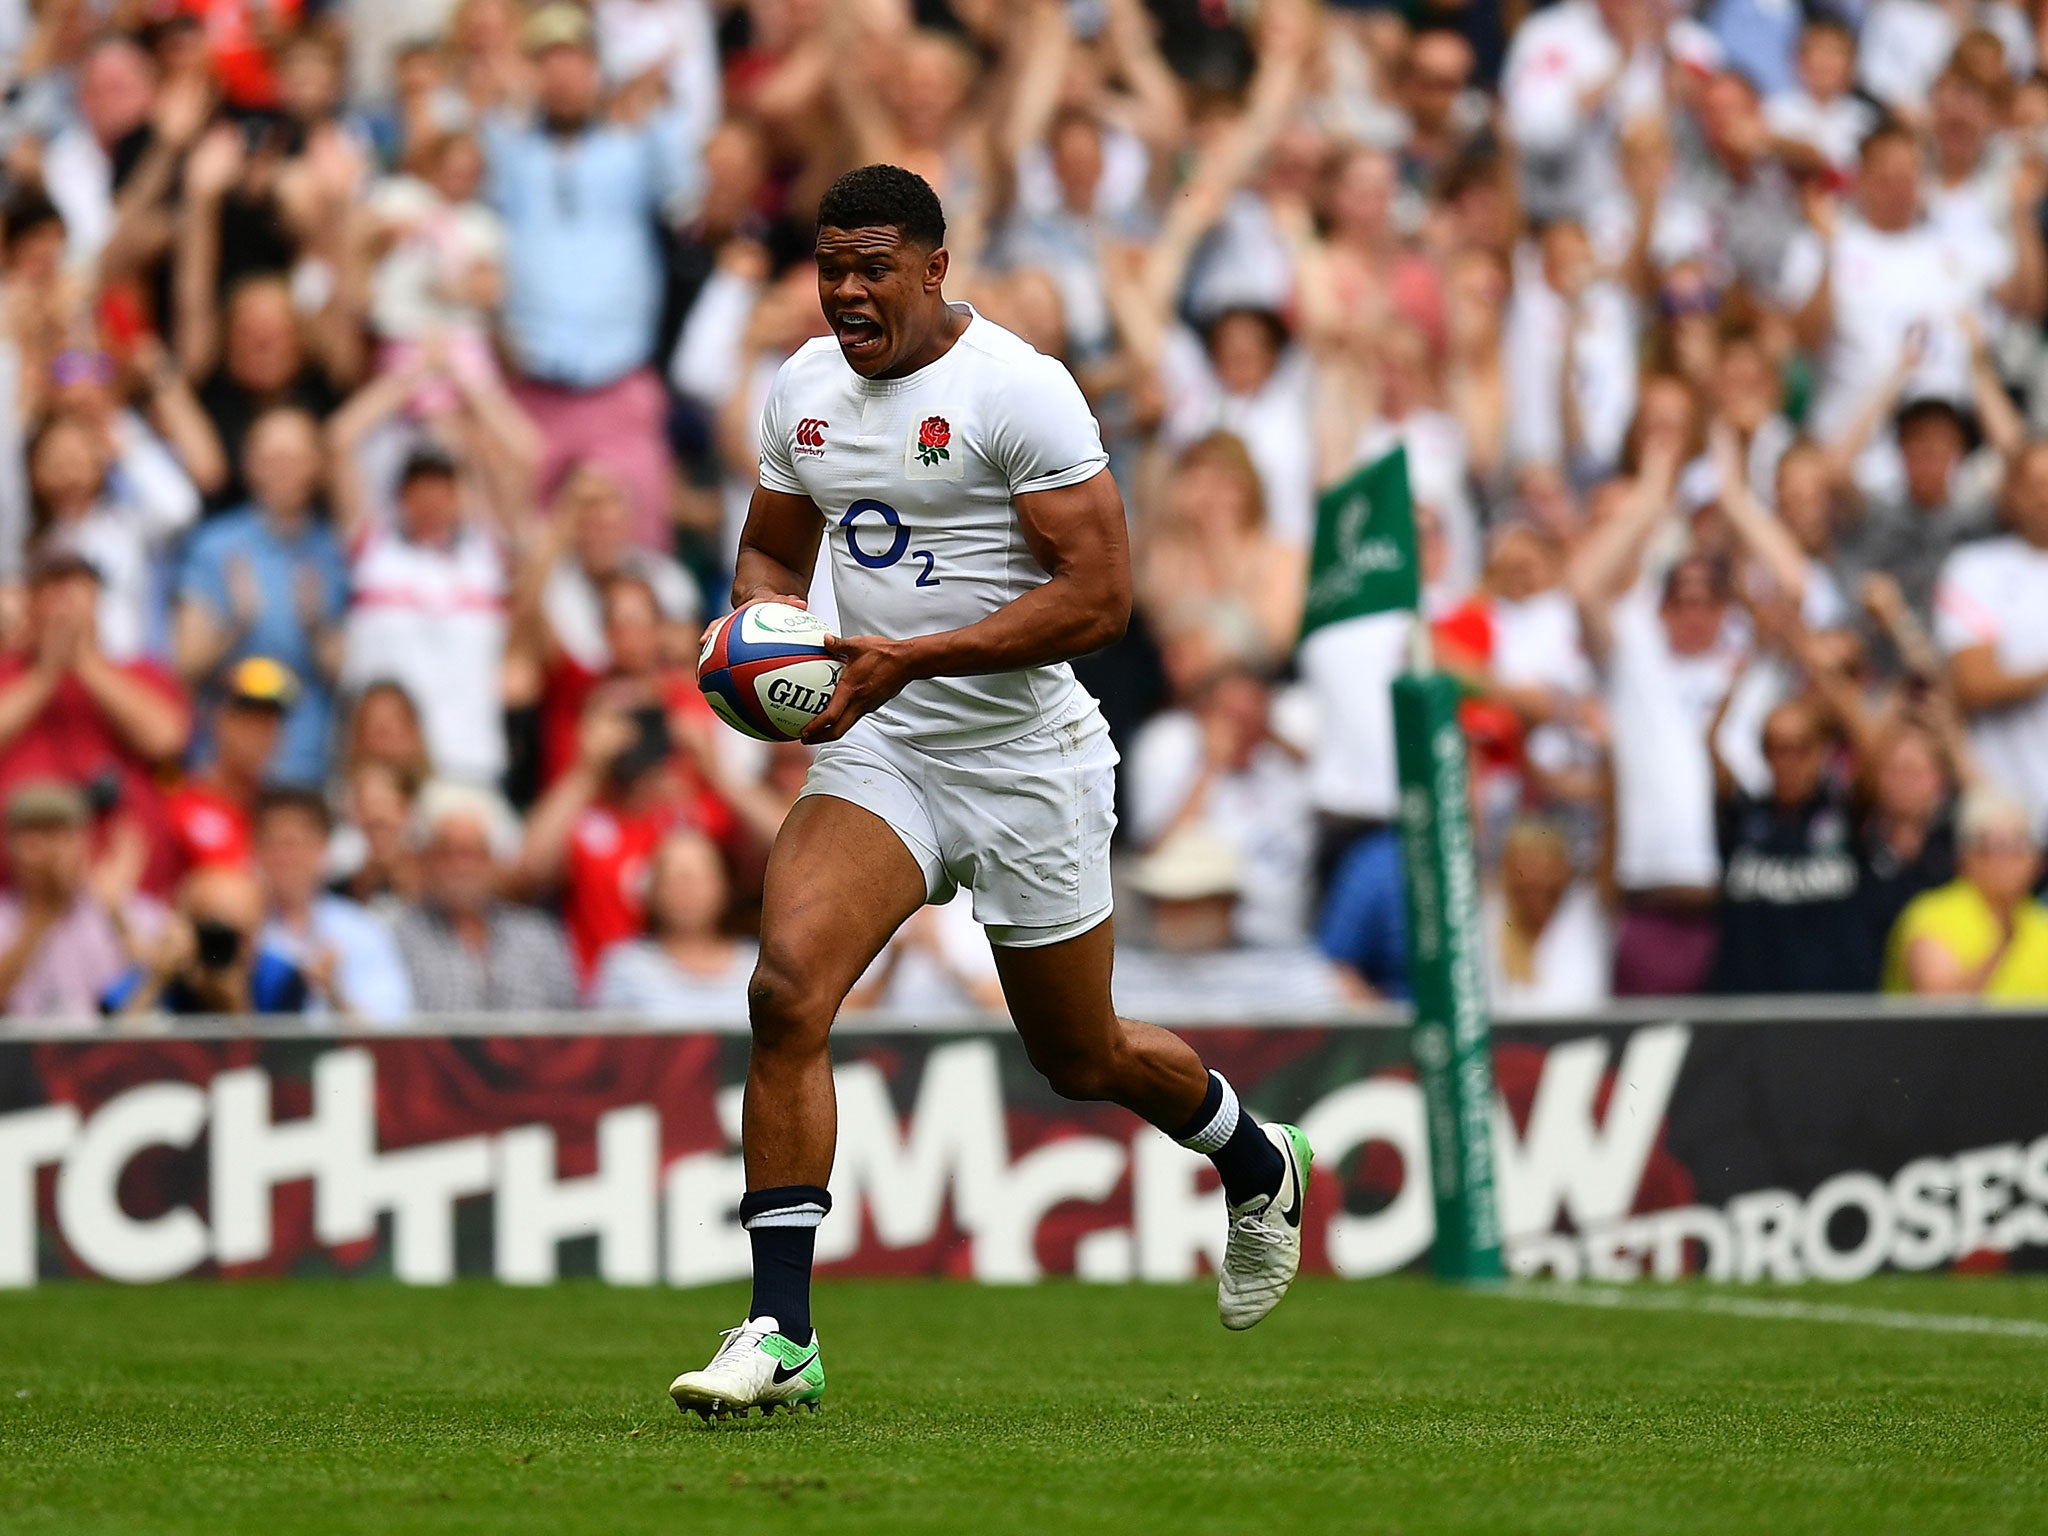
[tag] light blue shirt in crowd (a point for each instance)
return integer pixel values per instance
(583, 267)
(279, 631)
(369, 973)
(1761, 38)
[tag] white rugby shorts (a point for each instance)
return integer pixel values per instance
(1024, 825)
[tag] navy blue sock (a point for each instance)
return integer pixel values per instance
(782, 1225)
(1230, 1138)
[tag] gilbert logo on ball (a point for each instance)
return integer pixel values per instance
(765, 670)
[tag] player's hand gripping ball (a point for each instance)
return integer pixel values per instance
(765, 670)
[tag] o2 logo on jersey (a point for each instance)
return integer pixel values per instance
(808, 439)
(873, 554)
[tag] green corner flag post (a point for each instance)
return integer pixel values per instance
(1365, 562)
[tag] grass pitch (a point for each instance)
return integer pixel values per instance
(1381, 1407)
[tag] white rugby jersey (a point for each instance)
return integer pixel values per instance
(915, 477)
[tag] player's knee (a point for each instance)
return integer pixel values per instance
(1084, 1075)
(785, 1006)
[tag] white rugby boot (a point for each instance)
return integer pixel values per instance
(757, 1366)
(1263, 1251)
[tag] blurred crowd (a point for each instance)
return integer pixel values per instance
(379, 382)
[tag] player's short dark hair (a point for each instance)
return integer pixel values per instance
(877, 195)
(295, 799)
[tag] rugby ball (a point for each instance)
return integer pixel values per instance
(765, 670)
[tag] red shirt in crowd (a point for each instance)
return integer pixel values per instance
(236, 42)
(606, 875)
(1464, 637)
(71, 740)
(207, 827)
(606, 878)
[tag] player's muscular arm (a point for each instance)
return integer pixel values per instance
(778, 548)
(1077, 534)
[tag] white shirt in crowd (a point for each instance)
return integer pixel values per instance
(1263, 812)
(1684, 229)
(1573, 958)
(1348, 670)
(1975, 217)
(574, 604)
(1570, 157)
(1604, 369)
(417, 287)
(1663, 704)
(79, 178)
(1246, 260)
(677, 38)
(433, 618)
(1901, 47)
(1120, 191)
(1996, 594)
(1835, 129)
(148, 502)
(1536, 643)
(1884, 287)
(1276, 426)
(917, 479)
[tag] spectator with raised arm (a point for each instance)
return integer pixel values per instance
(1985, 193)
(1992, 621)
(115, 94)
(1949, 485)
(1575, 74)
(241, 337)
(1890, 285)
(439, 266)
(1667, 655)
(559, 623)
(647, 758)
(1823, 111)
(112, 494)
(430, 561)
(583, 198)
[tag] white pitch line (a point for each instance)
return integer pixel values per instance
(1770, 1308)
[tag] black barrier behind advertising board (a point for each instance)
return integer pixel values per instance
(1825, 1147)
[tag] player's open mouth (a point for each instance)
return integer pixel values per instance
(857, 333)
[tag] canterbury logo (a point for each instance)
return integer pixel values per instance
(810, 433)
